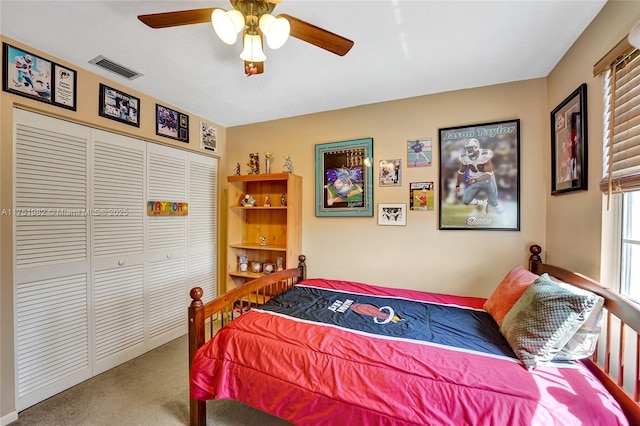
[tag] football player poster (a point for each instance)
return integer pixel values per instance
(480, 176)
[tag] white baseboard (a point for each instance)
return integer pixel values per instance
(9, 418)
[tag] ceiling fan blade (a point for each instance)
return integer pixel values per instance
(317, 36)
(174, 19)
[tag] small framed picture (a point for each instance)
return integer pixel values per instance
(29, 75)
(390, 172)
(421, 196)
(172, 124)
(208, 136)
(392, 214)
(119, 106)
(419, 152)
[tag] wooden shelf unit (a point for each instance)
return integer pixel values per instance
(280, 225)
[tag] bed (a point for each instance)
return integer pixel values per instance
(311, 351)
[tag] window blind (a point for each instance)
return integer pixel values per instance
(621, 147)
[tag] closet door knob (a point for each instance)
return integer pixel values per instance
(120, 262)
(168, 255)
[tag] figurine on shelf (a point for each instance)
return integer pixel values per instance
(283, 199)
(237, 170)
(254, 163)
(279, 266)
(248, 201)
(263, 240)
(267, 201)
(267, 161)
(288, 165)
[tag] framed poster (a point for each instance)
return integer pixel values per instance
(480, 176)
(29, 75)
(392, 214)
(569, 143)
(119, 106)
(172, 124)
(208, 136)
(344, 178)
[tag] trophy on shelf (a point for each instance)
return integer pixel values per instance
(254, 163)
(288, 165)
(267, 161)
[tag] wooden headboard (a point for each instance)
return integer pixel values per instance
(613, 353)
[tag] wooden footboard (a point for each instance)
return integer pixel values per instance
(206, 319)
(614, 352)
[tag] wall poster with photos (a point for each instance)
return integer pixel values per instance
(118, 106)
(344, 178)
(480, 176)
(172, 124)
(29, 75)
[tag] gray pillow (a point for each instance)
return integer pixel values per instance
(544, 319)
(583, 343)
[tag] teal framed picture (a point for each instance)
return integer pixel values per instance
(344, 178)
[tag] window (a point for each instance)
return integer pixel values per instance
(621, 156)
(630, 253)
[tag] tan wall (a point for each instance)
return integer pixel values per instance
(87, 114)
(418, 255)
(574, 220)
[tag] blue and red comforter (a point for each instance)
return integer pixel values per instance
(336, 352)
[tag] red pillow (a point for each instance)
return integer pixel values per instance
(508, 292)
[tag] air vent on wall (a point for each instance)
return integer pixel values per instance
(109, 65)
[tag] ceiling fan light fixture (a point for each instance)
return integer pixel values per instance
(227, 24)
(252, 51)
(276, 30)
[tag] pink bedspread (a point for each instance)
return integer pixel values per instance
(313, 375)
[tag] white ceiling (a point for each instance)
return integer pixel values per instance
(402, 49)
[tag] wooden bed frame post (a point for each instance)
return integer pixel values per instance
(302, 266)
(197, 409)
(534, 258)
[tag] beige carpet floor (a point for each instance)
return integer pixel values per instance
(149, 390)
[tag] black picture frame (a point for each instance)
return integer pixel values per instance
(34, 77)
(569, 143)
(119, 106)
(172, 124)
(480, 191)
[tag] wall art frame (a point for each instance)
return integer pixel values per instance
(392, 214)
(480, 177)
(569, 143)
(172, 124)
(208, 136)
(344, 178)
(119, 106)
(32, 76)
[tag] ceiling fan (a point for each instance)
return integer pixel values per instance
(254, 19)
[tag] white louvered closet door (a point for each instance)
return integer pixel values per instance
(202, 242)
(118, 224)
(51, 268)
(166, 246)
